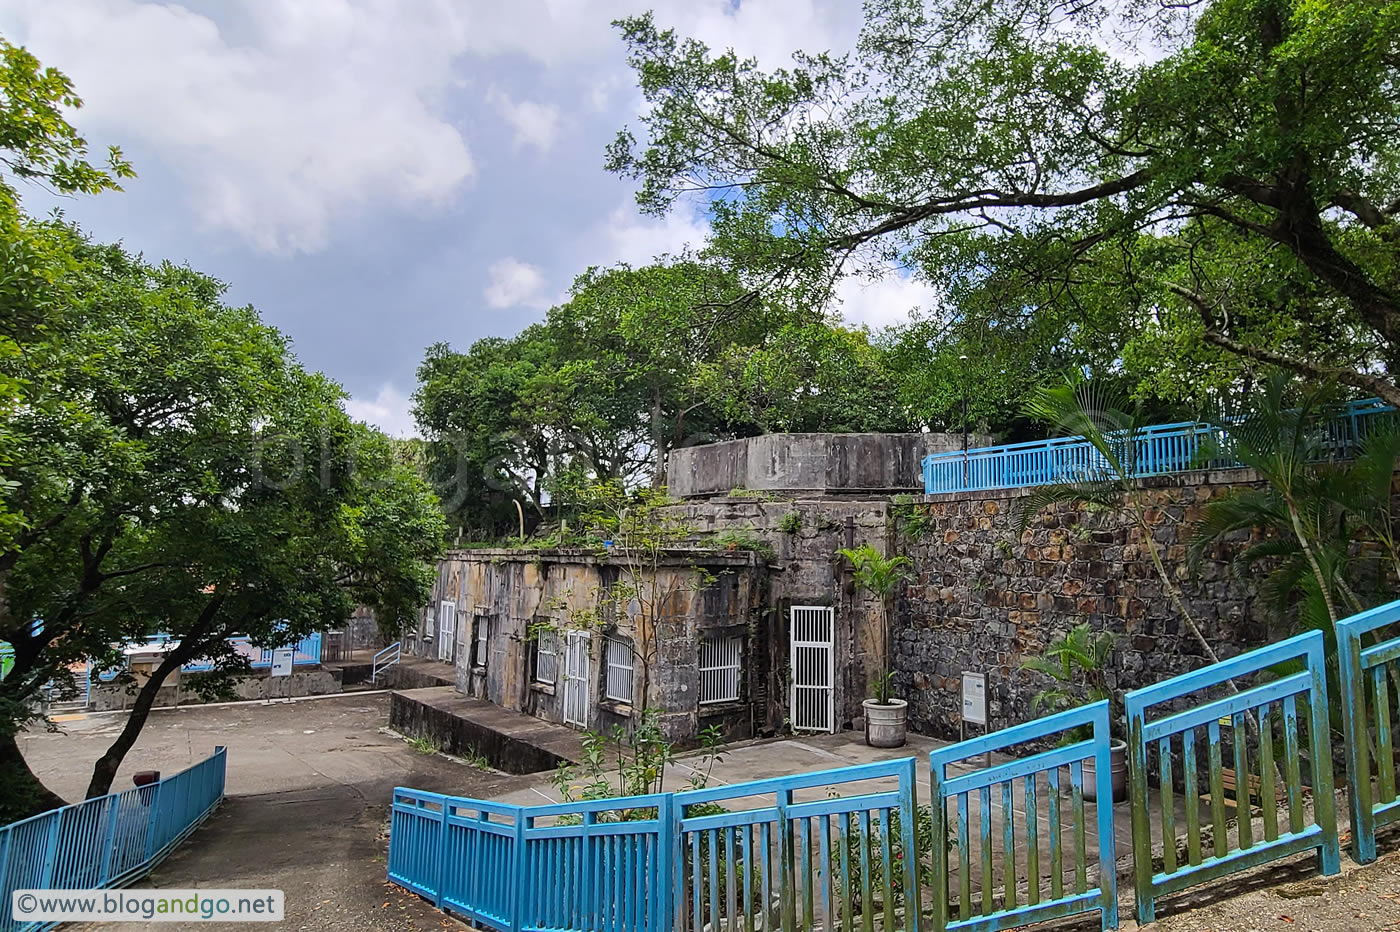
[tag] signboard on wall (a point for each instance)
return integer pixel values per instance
(282, 661)
(974, 698)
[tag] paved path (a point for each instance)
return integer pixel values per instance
(308, 792)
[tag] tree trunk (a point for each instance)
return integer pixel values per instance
(22, 794)
(105, 770)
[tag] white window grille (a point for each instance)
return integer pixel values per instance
(546, 657)
(618, 668)
(483, 632)
(721, 661)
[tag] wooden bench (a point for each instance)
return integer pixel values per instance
(1229, 784)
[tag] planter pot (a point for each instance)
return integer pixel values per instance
(1118, 771)
(885, 723)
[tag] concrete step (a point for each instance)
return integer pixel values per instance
(458, 724)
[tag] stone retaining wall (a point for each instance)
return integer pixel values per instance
(984, 596)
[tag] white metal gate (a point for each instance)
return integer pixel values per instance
(812, 705)
(576, 678)
(447, 630)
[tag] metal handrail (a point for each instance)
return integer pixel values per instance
(384, 659)
(1160, 449)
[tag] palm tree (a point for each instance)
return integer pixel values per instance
(1108, 479)
(1284, 444)
(1077, 662)
(880, 576)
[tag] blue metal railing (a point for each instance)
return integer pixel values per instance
(109, 841)
(1160, 450)
(1258, 709)
(843, 856)
(1367, 706)
(307, 651)
(1040, 778)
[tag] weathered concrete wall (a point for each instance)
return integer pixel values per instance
(507, 593)
(831, 463)
(304, 681)
(807, 535)
(984, 597)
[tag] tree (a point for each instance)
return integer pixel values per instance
(808, 376)
(606, 386)
(880, 576)
(1236, 184)
(1312, 510)
(645, 535)
(179, 472)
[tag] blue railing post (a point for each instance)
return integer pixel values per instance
(518, 880)
(108, 839)
(908, 809)
(1358, 755)
(1320, 735)
(440, 859)
(668, 840)
(1103, 806)
(152, 803)
(51, 847)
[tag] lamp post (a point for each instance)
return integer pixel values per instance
(963, 359)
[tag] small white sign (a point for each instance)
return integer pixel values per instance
(282, 661)
(974, 696)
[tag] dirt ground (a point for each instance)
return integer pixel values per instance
(308, 788)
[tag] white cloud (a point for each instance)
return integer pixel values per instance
(313, 112)
(883, 301)
(560, 33)
(627, 236)
(534, 124)
(514, 284)
(389, 411)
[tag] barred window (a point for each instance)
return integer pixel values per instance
(546, 657)
(721, 661)
(483, 633)
(618, 669)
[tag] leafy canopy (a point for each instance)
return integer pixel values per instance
(1182, 191)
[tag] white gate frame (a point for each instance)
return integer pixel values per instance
(805, 629)
(447, 630)
(577, 677)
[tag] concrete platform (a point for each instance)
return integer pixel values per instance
(470, 727)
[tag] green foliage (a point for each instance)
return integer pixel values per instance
(1320, 535)
(882, 687)
(880, 576)
(424, 745)
(861, 845)
(632, 763)
(876, 573)
(1113, 426)
(36, 139)
(914, 520)
(744, 539)
(1177, 193)
(1078, 663)
(790, 522)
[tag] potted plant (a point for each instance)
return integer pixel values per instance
(1077, 662)
(886, 718)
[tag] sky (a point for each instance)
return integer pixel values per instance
(375, 176)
